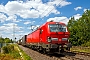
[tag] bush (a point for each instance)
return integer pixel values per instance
(5, 49)
(86, 44)
(12, 51)
(8, 48)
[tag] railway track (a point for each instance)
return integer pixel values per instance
(75, 55)
(81, 53)
(72, 56)
(63, 56)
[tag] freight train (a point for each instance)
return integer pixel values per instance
(50, 37)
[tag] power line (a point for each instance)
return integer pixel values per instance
(51, 9)
(45, 10)
(48, 8)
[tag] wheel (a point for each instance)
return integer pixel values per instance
(62, 50)
(44, 51)
(68, 49)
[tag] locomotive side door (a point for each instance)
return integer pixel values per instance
(43, 36)
(40, 36)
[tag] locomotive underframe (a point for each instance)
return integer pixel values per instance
(56, 47)
(49, 47)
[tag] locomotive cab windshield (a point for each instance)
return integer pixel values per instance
(58, 33)
(57, 28)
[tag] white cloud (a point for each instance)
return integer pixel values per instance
(8, 28)
(34, 27)
(77, 8)
(60, 3)
(27, 22)
(32, 8)
(25, 10)
(29, 9)
(59, 19)
(2, 28)
(64, 3)
(12, 18)
(2, 17)
(77, 16)
(2, 8)
(85, 9)
(32, 22)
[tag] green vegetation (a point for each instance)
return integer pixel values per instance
(80, 30)
(13, 52)
(25, 56)
(81, 49)
(6, 57)
(5, 40)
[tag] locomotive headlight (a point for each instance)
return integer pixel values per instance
(49, 39)
(64, 39)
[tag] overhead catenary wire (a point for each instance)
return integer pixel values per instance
(47, 9)
(50, 10)
(53, 8)
(42, 13)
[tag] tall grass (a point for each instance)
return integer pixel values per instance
(10, 50)
(24, 55)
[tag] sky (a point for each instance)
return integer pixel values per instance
(17, 17)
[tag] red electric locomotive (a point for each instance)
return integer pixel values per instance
(50, 37)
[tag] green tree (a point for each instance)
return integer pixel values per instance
(7, 40)
(79, 29)
(1, 40)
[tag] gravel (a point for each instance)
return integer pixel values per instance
(38, 56)
(34, 54)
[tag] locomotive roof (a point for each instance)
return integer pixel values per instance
(51, 22)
